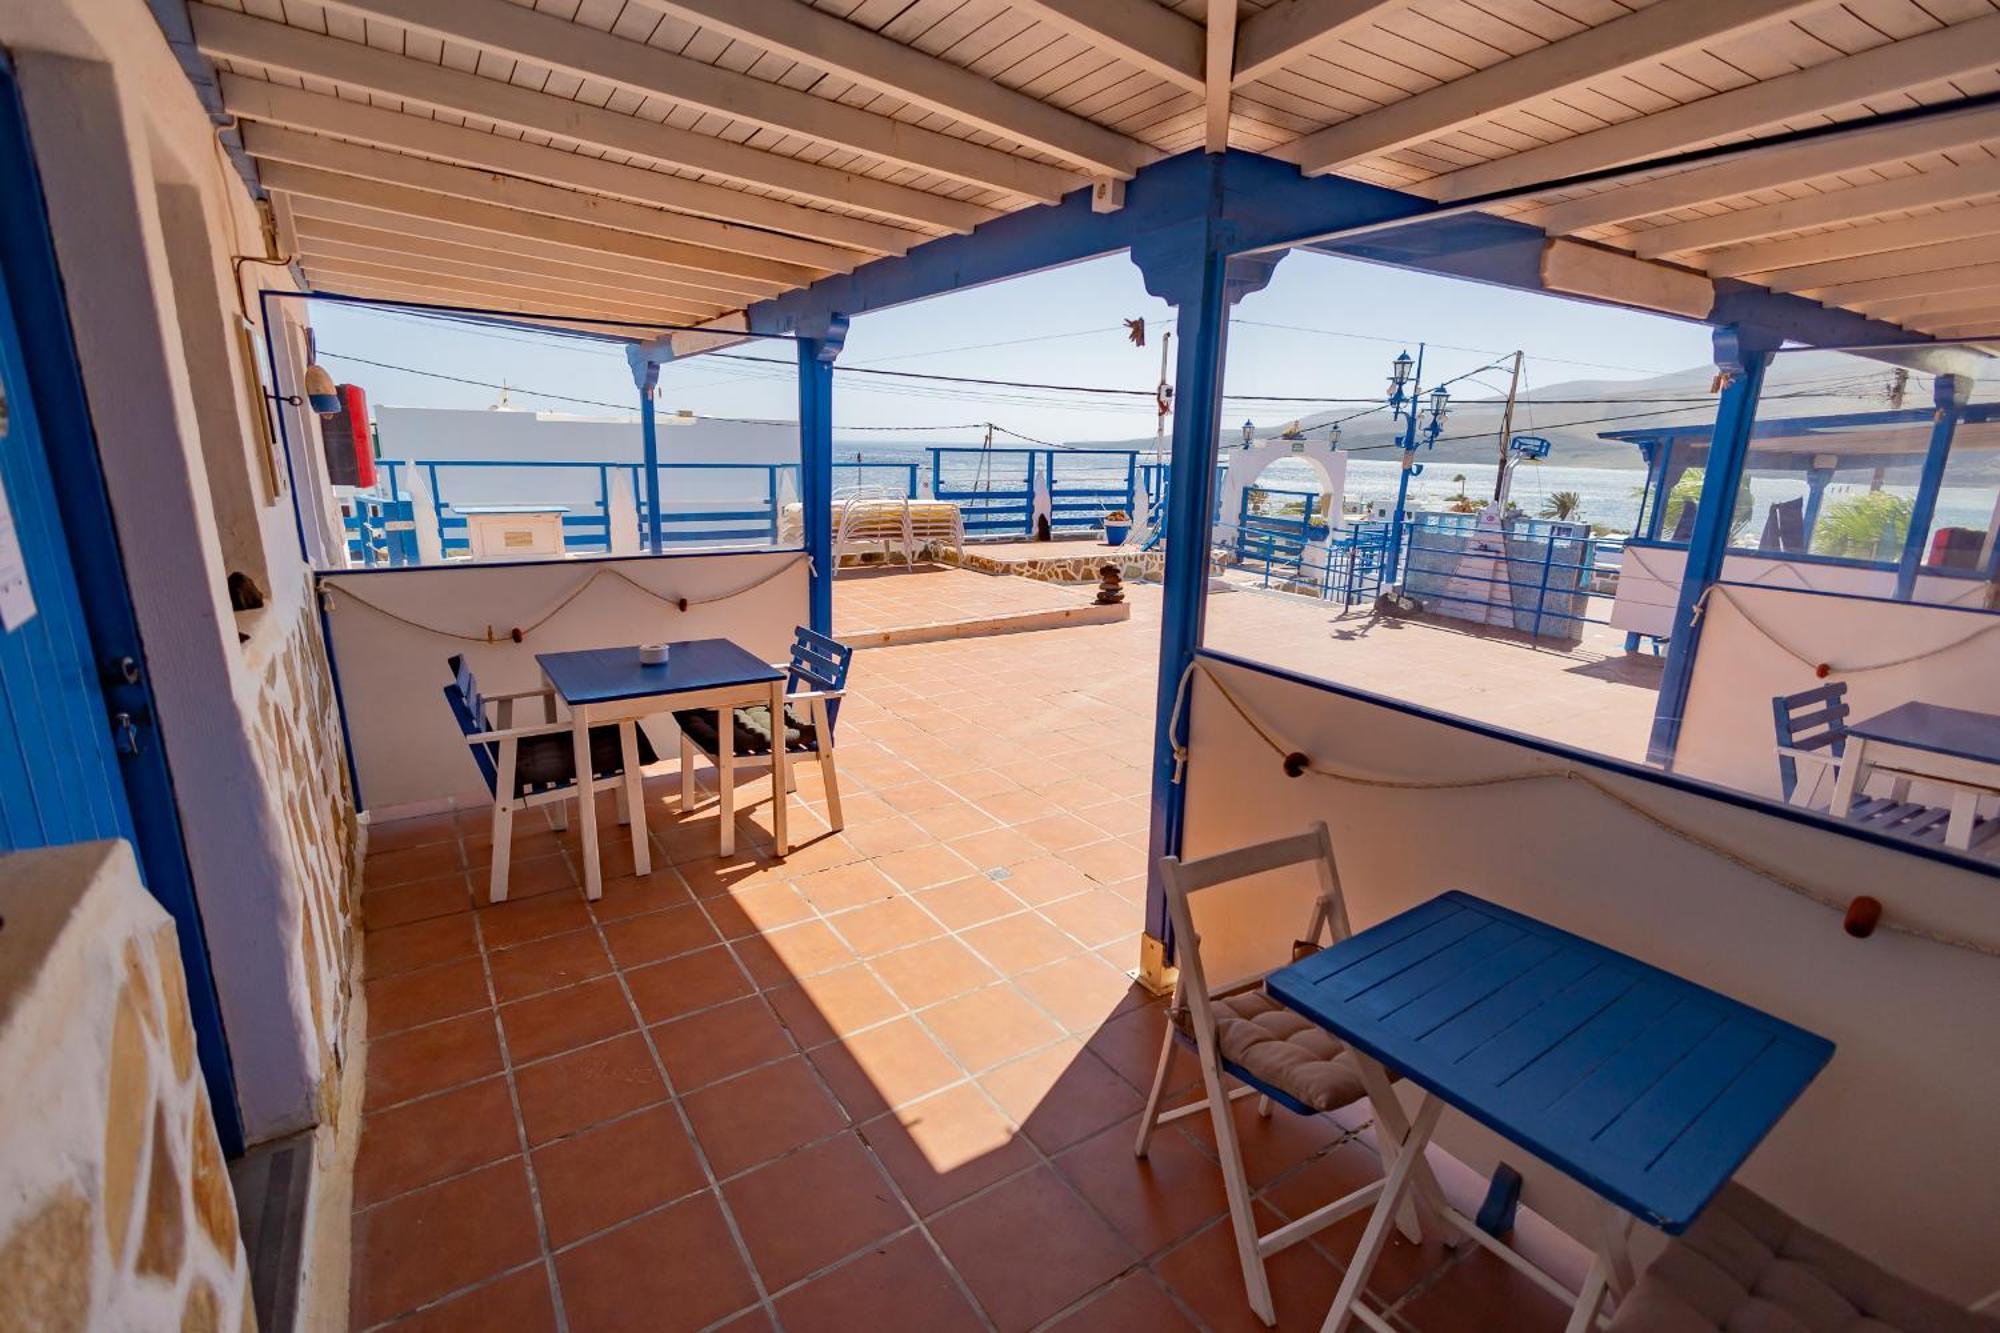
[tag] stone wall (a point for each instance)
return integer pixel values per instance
(300, 744)
(115, 1207)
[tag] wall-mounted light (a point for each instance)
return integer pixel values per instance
(1249, 434)
(1333, 436)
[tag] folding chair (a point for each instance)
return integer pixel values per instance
(1239, 1032)
(816, 680)
(525, 767)
(1811, 729)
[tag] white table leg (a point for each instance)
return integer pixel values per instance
(559, 812)
(1400, 1178)
(1584, 1316)
(1964, 809)
(586, 803)
(1853, 766)
(635, 796)
(725, 778)
(781, 768)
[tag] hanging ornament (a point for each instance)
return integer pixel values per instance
(1135, 329)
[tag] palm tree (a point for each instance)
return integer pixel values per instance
(1459, 477)
(1863, 527)
(1689, 488)
(1562, 505)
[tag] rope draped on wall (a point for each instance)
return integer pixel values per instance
(1825, 669)
(1296, 764)
(520, 633)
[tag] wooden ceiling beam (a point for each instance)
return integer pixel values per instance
(556, 321)
(668, 257)
(1139, 32)
(691, 242)
(1943, 307)
(1942, 53)
(1860, 295)
(296, 109)
(1219, 57)
(1273, 38)
(1655, 33)
(495, 286)
(1921, 258)
(553, 42)
(828, 42)
(1869, 238)
(1946, 185)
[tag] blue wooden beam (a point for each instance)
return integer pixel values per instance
(1951, 393)
(1743, 354)
(645, 362)
(817, 353)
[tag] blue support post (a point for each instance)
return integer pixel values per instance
(1411, 468)
(1187, 268)
(1816, 483)
(1742, 354)
(1951, 393)
(645, 362)
(817, 354)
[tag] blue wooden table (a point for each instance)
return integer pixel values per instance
(1955, 748)
(1644, 1087)
(611, 685)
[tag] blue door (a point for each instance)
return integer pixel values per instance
(80, 757)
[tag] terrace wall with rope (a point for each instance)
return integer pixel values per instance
(1890, 1149)
(390, 632)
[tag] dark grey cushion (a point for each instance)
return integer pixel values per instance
(753, 730)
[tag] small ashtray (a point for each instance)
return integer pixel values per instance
(652, 654)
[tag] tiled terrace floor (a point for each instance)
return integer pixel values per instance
(889, 1083)
(898, 597)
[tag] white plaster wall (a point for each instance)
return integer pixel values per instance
(1726, 734)
(1892, 1149)
(1246, 465)
(407, 749)
(1649, 583)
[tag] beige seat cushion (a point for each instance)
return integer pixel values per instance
(1747, 1267)
(1279, 1047)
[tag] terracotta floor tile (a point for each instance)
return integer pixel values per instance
(935, 970)
(1271, 1146)
(519, 1301)
(709, 875)
(1095, 918)
(560, 1020)
(656, 935)
(682, 985)
(820, 853)
(536, 876)
(1016, 807)
(954, 820)
(923, 867)
(986, 1027)
(668, 1272)
(980, 782)
(899, 1287)
(409, 864)
(1134, 1304)
(751, 908)
(782, 957)
(419, 1143)
(419, 944)
(995, 847)
(1332, 1175)
(846, 886)
(421, 900)
(750, 1119)
(430, 1059)
(851, 1205)
(882, 836)
(948, 1146)
(1481, 1291)
(1030, 1224)
(604, 1175)
(409, 998)
(396, 834)
(543, 965)
(629, 895)
(582, 1087)
(880, 927)
(971, 901)
(1130, 1044)
(1081, 992)
(718, 1042)
(1061, 1095)
(1059, 832)
(1108, 861)
(520, 920)
(416, 1248)
(1153, 1201)
(1044, 879)
(1017, 943)
(885, 1066)
(1206, 1274)
(833, 1004)
(910, 797)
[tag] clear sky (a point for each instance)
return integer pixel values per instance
(1324, 328)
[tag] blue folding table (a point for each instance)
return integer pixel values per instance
(611, 685)
(1642, 1086)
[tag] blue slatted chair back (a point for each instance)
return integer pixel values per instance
(469, 708)
(1811, 720)
(819, 663)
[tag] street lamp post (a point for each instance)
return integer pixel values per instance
(1405, 401)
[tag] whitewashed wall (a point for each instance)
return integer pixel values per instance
(1649, 583)
(407, 749)
(1726, 734)
(1892, 1149)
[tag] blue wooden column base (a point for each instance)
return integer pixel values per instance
(645, 359)
(1188, 267)
(818, 349)
(1743, 354)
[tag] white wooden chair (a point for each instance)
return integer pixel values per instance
(528, 767)
(1240, 1033)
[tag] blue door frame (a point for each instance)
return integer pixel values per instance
(73, 510)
